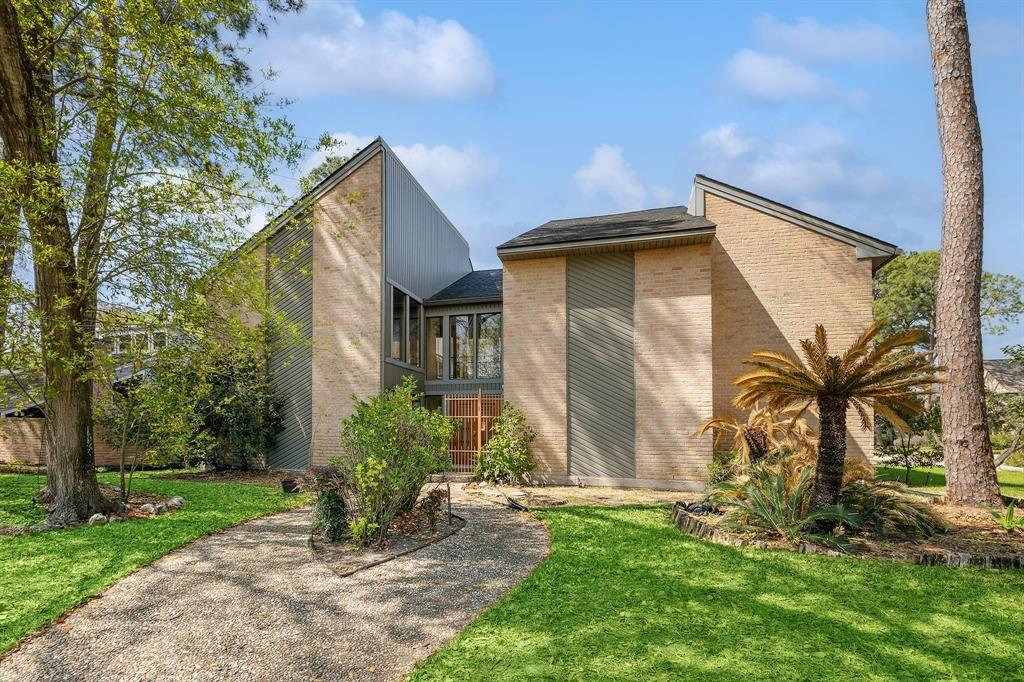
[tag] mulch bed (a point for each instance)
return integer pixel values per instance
(972, 538)
(345, 557)
(264, 477)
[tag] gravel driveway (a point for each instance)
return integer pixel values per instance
(253, 604)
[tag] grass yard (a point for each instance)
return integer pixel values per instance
(626, 596)
(44, 575)
(1010, 482)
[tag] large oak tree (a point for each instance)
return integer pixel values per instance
(133, 137)
(970, 470)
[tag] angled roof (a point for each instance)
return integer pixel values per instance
(879, 251)
(615, 228)
(1008, 376)
(478, 286)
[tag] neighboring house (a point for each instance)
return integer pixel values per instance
(1004, 377)
(616, 335)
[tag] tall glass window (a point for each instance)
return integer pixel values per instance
(435, 347)
(397, 324)
(488, 355)
(415, 340)
(460, 341)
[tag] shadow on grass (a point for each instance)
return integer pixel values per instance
(624, 595)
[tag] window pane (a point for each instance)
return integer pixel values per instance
(435, 347)
(433, 402)
(415, 340)
(460, 338)
(397, 324)
(488, 358)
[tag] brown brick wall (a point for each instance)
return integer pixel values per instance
(347, 271)
(672, 332)
(534, 328)
(23, 440)
(772, 281)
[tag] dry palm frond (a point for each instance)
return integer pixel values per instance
(885, 377)
(764, 431)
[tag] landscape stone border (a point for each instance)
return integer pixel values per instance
(696, 526)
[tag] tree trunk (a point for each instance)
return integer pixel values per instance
(970, 472)
(828, 473)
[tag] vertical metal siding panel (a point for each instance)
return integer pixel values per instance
(290, 253)
(425, 253)
(599, 356)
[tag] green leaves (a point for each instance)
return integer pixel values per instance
(506, 456)
(1006, 519)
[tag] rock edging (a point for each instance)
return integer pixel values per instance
(695, 526)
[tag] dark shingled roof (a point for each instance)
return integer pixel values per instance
(653, 221)
(1009, 375)
(481, 285)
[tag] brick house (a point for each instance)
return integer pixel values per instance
(616, 335)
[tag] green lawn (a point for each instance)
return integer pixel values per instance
(44, 575)
(1010, 482)
(626, 596)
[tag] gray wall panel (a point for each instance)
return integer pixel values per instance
(599, 355)
(290, 258)
(424, 251)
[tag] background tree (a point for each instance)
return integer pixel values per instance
(906, 290)
(970, 471)
(1006, 414)
(134, 143)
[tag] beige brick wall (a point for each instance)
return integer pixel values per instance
(23, 440)
(771, 282)
(347, 272)
(672, 341)
(534, 328)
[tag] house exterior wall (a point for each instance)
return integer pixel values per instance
(290, 288)
(771, 283)
(346, 305)
(23, 441)
(673, 362)
(534, 319)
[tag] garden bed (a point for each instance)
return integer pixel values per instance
(972, 538)
(264, 477)
(345, 557)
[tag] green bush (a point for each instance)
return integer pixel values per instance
(506, 456)
(330, 507)
(765, 505)
(723, 468)
(390, 448)
(886, 510)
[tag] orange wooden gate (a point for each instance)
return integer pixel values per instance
(475, 414)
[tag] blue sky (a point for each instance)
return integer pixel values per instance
(514, 114)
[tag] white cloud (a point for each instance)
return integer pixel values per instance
(439, 168)
(813, 167)
(809, 41)
(332, 49)
(775, 79)
(609, 174)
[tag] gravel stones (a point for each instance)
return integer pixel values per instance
(252, 603)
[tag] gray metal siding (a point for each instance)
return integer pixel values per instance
(290, 284)
(424, 252)
(599, 356)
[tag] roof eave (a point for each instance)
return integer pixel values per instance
(692, 235)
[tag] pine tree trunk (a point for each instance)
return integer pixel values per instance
(970, 471)
(828, 473)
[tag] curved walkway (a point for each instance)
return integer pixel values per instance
(251, 603)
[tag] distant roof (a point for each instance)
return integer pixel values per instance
(655, 221)
(480, 285)
(1008, 375)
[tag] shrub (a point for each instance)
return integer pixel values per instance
(888, 512)
(724, 467)
(506, 457)
(390, 448)
(1007, 520)
(766, 505)
(330, 510)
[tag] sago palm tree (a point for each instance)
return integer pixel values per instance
(885, 377)
(763, 432)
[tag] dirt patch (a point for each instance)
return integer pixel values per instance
(345, 557)
(266, 477)
(559, 495)
(972, 538)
